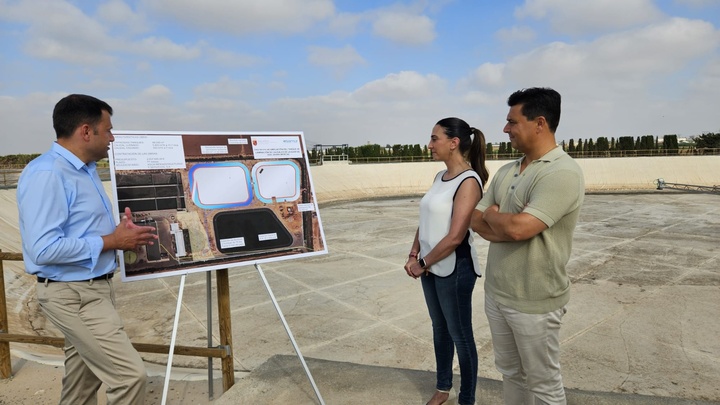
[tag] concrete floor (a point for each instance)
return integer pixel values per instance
(642, 327)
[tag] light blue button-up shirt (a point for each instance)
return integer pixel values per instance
(64, 212)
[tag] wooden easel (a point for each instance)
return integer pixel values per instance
(224, 351)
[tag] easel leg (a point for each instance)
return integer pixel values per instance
(287, 329)
(225, 325)
(208, 285)
(172, 340)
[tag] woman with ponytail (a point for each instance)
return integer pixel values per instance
(442, 255)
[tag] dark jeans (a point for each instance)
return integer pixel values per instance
(449, 302)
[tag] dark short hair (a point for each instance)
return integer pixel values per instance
(538, 101)
(75, 110)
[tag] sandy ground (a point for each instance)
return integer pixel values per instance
(642, 319)
(39, 381)
(644, 316)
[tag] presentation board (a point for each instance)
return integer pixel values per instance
(216, 199)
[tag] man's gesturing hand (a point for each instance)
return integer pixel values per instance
(128, 235)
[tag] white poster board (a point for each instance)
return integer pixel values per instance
(216, 199)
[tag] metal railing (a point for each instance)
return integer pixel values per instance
(662, 184)
(510, 156)
(9, 174)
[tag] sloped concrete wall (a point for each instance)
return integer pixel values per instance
(340, 181)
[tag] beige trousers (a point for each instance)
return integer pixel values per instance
(97, 349)
(527, 353)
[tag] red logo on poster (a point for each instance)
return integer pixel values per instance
(254, 142)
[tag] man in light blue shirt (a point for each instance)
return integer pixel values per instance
(69, 242)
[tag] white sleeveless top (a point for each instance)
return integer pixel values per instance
(436, 209)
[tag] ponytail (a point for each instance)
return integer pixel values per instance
(476, 155)
(472, 144)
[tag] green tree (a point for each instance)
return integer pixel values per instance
(372, 150)
(602, 144)
(509, 149)
(708, 140)
(625, 143)
(647, 142)
(670, 144)
(571, 146)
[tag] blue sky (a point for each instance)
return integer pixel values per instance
(359, 72)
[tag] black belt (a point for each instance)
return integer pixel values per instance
(107, 276)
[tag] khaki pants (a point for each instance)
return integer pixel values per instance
(97, 349)
(527, 353)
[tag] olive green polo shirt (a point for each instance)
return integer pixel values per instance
(529, 276)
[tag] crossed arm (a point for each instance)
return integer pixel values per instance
(496, 226)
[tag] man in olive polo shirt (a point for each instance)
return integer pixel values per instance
(529, 214)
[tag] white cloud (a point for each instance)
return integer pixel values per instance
(156, 92)
(590, 16)
(277, 85)
(143, 66)
(27, 121)
(404, 28)
(659, 48)
(627, 60)
(707, 82)
(233, 59)
(339, 60)
(102, 85)
(58, 30)
(209, 107)
(616, 78)
(163, 48)
(398, 108)
(697, 3)
(403, 86)
(484, 99)
(488, 75)
(346, 24)
(227, 87)
(118, 13)
(516, 34)
(651, 78)
(246, 16)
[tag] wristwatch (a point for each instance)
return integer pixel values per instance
(422, 263)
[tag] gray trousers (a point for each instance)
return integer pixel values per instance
(97, 349)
